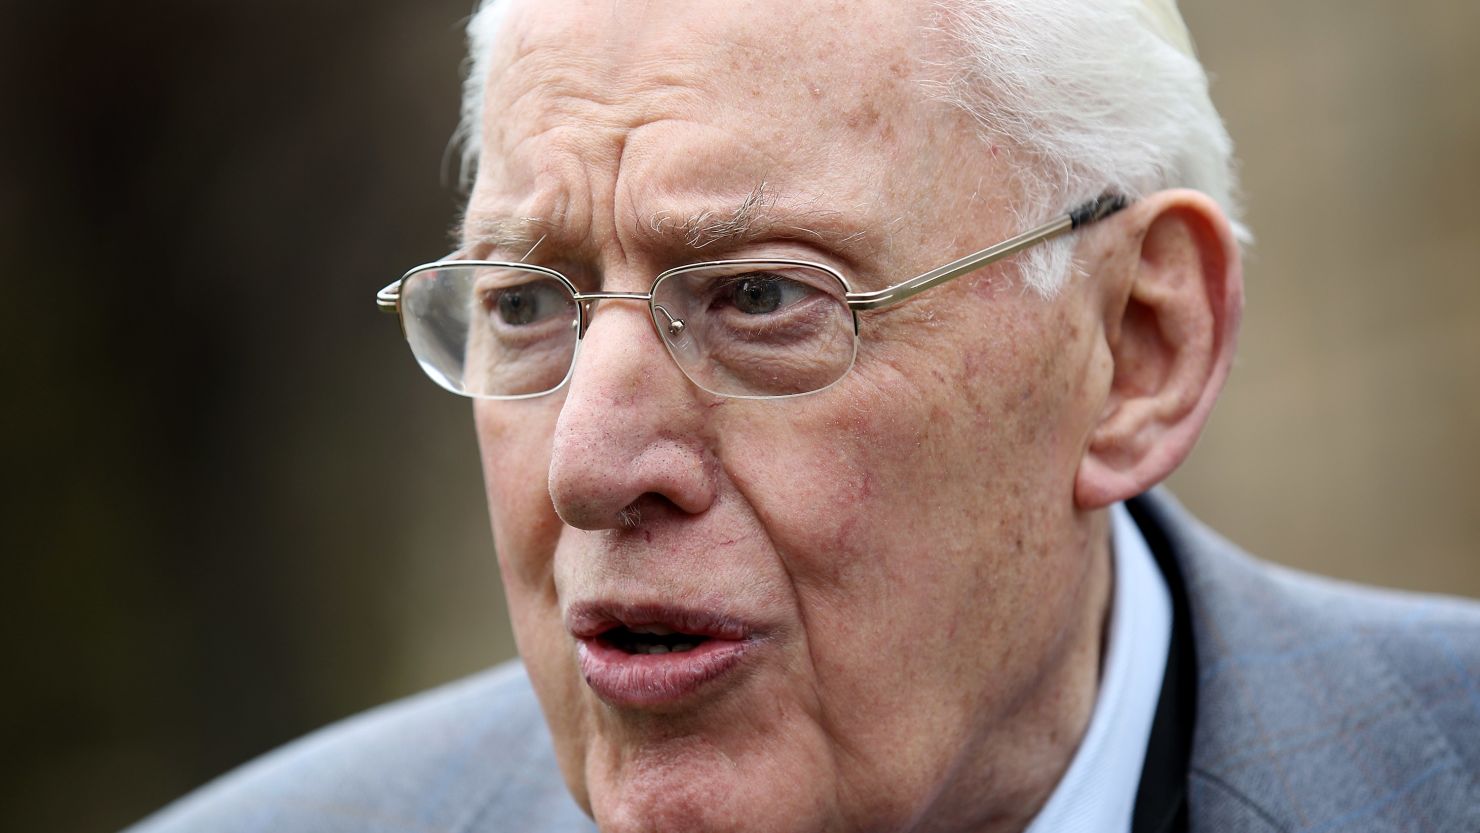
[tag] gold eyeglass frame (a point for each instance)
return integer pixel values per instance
(388, 299)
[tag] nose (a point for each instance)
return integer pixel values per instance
(629, 441)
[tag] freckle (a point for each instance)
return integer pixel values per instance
(647, 535)
(866, 116)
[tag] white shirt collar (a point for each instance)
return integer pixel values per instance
(1098, 792)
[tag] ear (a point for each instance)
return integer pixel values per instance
(1171, 323)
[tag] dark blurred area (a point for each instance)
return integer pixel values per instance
(238, 511)
(232, 491)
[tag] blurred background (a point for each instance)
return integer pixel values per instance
(238, 511)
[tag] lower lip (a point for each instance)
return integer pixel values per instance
(648, 680)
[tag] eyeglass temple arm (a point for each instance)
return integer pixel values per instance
(1083, 215)
(388, 299)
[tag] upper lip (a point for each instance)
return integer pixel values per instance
(586, 620)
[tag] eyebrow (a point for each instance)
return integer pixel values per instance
(758, 215)
(507, 233)
(704, 228)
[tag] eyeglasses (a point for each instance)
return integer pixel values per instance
(751, 329)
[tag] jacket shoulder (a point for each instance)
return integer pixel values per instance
(471, 756)
(1323, 704)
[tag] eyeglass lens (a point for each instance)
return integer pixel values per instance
(746, 329)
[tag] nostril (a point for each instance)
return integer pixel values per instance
(649, 507)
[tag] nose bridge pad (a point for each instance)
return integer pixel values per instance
(674, 326)
(676, 335)
(584, 311)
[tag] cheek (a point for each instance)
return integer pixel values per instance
(912, 506)
(902, 593)
(858, 496)
(909, 462)
(514, 444)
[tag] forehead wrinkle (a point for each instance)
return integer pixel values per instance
(617, 84)
(557, 89)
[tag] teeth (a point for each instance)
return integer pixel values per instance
(655, 630)
(664, 649)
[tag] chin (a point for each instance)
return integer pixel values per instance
(656, 793)
(749, 763)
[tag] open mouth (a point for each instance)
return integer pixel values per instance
(651, 639)
(651, 656)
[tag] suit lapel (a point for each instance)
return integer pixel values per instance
(1301, 723)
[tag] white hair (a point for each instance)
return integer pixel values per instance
(483, 29)
(1088, 98)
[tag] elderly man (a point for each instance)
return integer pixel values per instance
(823, 356)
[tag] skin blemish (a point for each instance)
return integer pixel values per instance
(865, 117)
(973, 365)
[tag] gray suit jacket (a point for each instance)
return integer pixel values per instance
(1321, 707)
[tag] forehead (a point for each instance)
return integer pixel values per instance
(814, 102)
(621, 45)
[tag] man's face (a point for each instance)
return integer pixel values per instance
(886, 581)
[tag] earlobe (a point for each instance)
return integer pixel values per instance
(1170, 333)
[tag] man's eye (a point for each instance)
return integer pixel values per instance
(762, 294)
(527, 303)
